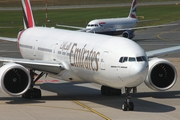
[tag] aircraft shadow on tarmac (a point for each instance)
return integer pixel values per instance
(70, 92)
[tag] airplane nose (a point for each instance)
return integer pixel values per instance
(138, 72)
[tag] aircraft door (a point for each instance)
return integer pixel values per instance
(103, 60)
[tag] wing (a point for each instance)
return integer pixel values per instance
(140, 21)
(146, 27)
(50, 67)
(9, 39)
(81, 29)
(75, 27)
(162, 52)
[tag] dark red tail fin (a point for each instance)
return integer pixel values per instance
(27, 14)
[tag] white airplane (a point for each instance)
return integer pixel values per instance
(116, 26)
(113, 62)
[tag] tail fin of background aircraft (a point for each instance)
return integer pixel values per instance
(27, 14)
(132, 12)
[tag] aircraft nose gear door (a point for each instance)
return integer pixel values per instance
(103, 60)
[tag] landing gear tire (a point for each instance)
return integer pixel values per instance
(124, 106)
(37, 93)
(105, 91)
(32, 93)
(108, 91)
(131, 106)
(128, 106)
(27, 94)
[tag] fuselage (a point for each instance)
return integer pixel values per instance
(112, 61)
(110, 26)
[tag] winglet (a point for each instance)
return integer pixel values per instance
(27, 14)
(132, 12)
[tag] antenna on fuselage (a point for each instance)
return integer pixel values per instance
(47, 20)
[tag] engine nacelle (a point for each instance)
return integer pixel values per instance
(128, 34)
(14, 79)
(162, 75)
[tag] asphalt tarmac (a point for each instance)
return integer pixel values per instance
(79, 101)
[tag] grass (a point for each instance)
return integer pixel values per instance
(15, 3)
(80, 17)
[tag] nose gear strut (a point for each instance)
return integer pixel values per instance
(127, 105)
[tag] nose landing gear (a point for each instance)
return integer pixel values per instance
(127, 105)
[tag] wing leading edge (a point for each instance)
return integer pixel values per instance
(146, 27)
(50, 67)
(162, 52)
(9, 39)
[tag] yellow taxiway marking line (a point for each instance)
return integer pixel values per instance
(81, 104)
(92, 110)
(164, 33)
(162, 38)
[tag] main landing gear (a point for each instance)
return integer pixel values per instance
(108, 91)
(33, 92)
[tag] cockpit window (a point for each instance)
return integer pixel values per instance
(141, 58)
(132, 59)
(92, 25)
(123, 59)
(144, 58)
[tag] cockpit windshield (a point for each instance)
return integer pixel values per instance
(141, 58)
(132, 59)
(92, 25)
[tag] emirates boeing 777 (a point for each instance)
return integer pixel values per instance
(113, 62)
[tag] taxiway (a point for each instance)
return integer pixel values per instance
(79, 101)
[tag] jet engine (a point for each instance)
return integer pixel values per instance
(14, 79)
(128, 34)
(162, 75)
